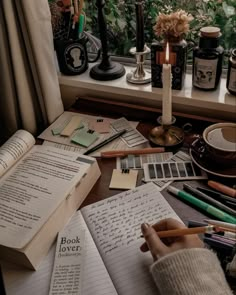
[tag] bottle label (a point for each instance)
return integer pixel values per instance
(204, 73)
(232, 80)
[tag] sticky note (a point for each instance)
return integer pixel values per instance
(74, 124)
(101, 125)
(124, 179)
(85, 137)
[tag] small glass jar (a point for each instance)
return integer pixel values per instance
(207, 59)
(231, 76)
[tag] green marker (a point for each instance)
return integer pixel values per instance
(203, 205)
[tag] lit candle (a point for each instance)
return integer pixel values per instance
(166, 93)
(139, 26)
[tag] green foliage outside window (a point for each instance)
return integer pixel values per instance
(121, 20)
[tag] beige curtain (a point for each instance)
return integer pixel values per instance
(29, 90)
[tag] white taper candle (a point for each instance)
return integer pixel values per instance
(166, 93)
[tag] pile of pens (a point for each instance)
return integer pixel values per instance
(222, 242)
(218, 204)
(219, 201)
(68, 19)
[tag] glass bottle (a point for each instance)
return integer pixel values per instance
(207, 59)
(231, 76)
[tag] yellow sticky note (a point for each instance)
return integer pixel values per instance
(124, 179)
(71, 126)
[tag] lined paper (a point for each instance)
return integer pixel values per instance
(115, 225)
(95, 279)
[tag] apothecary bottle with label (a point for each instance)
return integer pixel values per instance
(207, 59)
(231, 76)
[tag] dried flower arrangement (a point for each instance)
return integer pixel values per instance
(173, 25)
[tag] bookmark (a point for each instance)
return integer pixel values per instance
(123, 179)
(132, 137)
(172, 171)
(85, 137)
(100, 125)
(74, 123)
(68, 263)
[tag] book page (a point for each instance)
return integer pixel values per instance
(95, 280)
(115, 226)
(14, 148)
(33, 190)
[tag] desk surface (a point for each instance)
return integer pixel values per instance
(147, 122)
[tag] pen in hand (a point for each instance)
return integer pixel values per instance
(106, 141)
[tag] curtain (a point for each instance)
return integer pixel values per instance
(29, 89)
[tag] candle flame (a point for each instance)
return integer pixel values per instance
(167, 53)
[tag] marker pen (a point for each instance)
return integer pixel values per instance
(203, 205)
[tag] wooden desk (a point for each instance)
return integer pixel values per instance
(147, 120)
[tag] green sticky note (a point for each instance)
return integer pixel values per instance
(85, 137)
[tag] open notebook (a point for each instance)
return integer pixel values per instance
(113, 263)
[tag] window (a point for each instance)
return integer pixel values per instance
(121, 20)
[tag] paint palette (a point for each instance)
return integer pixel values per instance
(172, 171)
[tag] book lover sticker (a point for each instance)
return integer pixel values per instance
(76, 57)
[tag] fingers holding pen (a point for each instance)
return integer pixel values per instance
(153, 242)
(160, 247)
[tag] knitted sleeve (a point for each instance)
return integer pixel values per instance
(190, 271)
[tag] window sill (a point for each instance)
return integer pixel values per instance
(218, 104)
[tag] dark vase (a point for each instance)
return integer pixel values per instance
(178, 61)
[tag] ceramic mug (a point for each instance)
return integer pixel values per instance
(218, 144)
(72, 56)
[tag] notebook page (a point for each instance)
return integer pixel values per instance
(115, 226)
(95, 279)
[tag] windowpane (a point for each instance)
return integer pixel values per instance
(121, 20)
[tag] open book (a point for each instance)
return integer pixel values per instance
(113, 262)
(40, 189)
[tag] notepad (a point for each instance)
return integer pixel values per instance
(123, 179)
(85, 137)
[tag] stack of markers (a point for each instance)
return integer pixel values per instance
(222, 242)
(219, 201)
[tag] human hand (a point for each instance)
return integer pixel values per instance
(161, 247)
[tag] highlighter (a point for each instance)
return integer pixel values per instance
(203, 205)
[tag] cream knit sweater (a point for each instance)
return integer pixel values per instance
(190, 272)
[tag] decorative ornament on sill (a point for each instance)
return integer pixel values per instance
(171, 28)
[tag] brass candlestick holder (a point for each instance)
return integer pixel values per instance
(166, 135)
(139, 75)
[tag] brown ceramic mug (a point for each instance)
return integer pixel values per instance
(218, 144)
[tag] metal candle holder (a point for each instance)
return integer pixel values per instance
(139, 75)
(166, 135)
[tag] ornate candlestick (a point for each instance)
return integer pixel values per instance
(107, 69)
(139, 76)
(166, 135)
